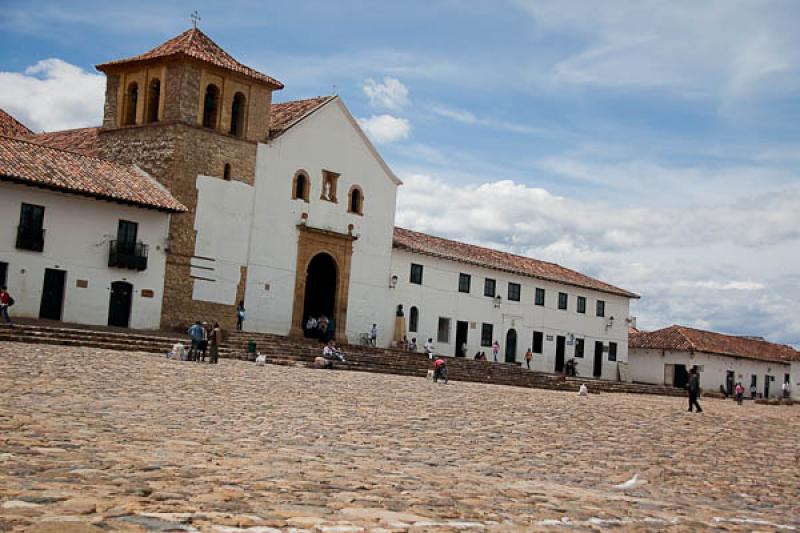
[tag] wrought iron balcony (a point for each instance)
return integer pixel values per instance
(30, 238)
(130, 255)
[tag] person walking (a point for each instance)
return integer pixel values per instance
(440, 370)
(6, 301)
(753, 392)
(694, 390)
(214, 339)
(528, 357)
(739, 390)
(240, 315)
(495, 350)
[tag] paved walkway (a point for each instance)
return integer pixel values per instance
(93, 440)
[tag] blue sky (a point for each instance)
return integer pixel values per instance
(653, 144)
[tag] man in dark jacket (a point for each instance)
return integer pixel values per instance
(694, 389)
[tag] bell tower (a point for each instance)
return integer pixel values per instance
(185, 109)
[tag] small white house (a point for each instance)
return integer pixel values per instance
(82, 240)
(664, 357)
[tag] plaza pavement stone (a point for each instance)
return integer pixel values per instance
(94, 440)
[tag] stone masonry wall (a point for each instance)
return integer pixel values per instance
(110, 107)
(176, 154)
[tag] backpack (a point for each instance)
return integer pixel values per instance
(10, 300)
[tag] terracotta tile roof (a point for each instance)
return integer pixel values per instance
(690, 339)
(286, 114)
(29, 163)
(12, 127)
(81, 140)
(196, 44)
(486, 257)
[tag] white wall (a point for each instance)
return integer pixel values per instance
(222, 222)
(438, 296)
(647, 366)
(328, 140)
(795, 379)
(78, 231)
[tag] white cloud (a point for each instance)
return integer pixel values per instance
(468, 117)
(391, 94)
(722, 48)
(53, 95)
(716, 267)
(384, 129)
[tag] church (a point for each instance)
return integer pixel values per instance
(286, 207)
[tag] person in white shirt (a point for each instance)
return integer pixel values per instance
(786, 389)
(373, 335)
(429, 348)
(330, 351)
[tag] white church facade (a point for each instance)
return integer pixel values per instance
(290, 209)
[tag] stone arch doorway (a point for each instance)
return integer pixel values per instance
(511, 346)
(322, 280)
(321, 283)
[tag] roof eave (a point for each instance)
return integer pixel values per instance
(401, 246)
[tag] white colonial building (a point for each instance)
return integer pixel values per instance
(290, 209)
(83, 240)
(665, 356)
(466, 297)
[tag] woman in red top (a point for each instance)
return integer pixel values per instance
(5, 302)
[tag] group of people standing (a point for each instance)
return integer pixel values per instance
(322, 328)
(205, 340)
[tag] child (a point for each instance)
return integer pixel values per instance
(739, 393)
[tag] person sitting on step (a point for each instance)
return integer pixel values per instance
(331, 352)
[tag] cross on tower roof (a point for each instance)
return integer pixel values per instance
(195, 17)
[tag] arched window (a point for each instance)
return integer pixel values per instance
(237, 114)
(153, 100)
(210, 106)
(413, 319)
(355, 202)
(226, 173)
(301, 187)
(131, 99)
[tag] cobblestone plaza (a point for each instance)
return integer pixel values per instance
(94, 440)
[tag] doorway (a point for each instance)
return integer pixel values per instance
(52, 304)
(597, 371)
(729, 382)
(561, 346)
(681, 377)
(320, 296)
(511, 346)
(766, 385)
(461, 338)
(119, 305)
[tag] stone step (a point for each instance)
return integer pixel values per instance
(288, 351)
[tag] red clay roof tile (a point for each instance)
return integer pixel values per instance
(22, 161)
(196, 44)
(12, 127)
(286, 114)
(689, 339)
(422, 243)
(81, 140)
